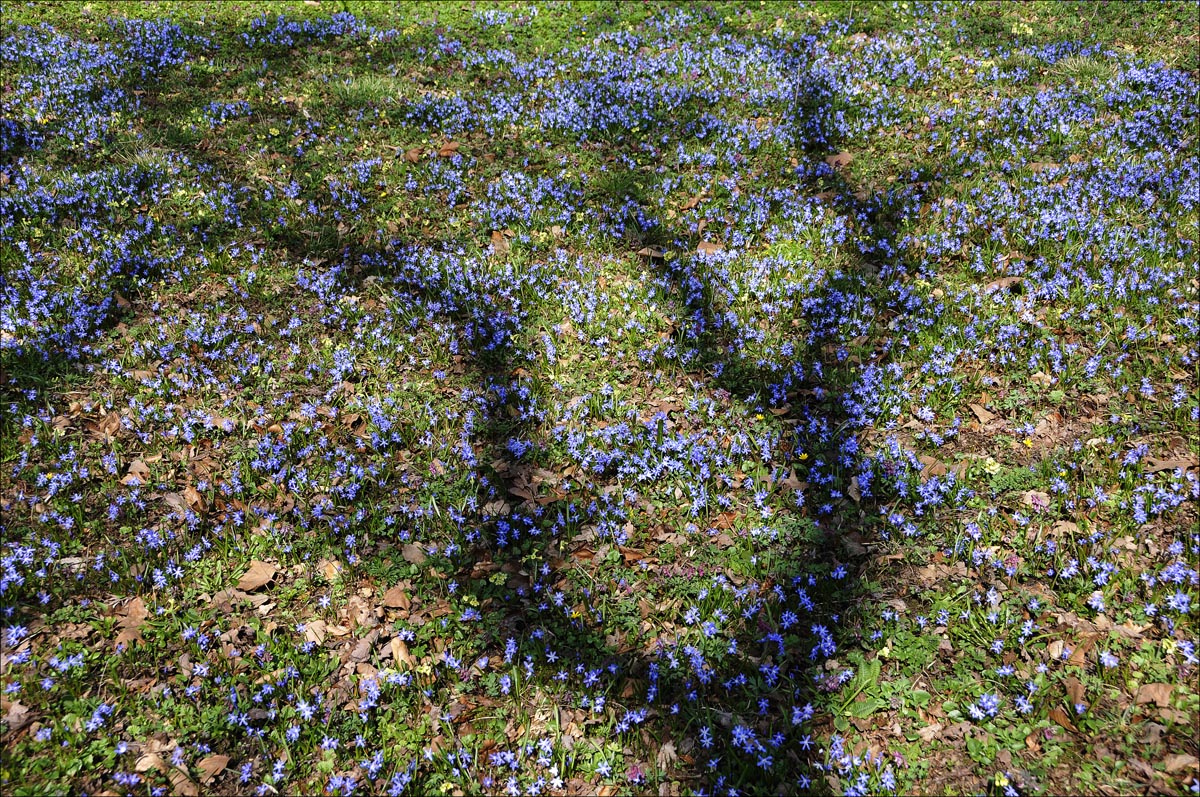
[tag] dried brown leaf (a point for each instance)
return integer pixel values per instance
(212, 766)
(1058, 715)
(193, 498)
(183, 784)
(400, 653)
(840, 160)
(982, 413)
(1075, 690)
(930, 732)
(1158, 694)
(17, 716)
(1003, 283)
(137, 474)
(1079, 655)
(932, 466)
(362, 650)
(500, 244)
(666, 756)
(149, 761)
(177, 502)
(331, 569)
(413, 554)
(133, 614)
(258, 574)
(397, 598)
(315, 631)
(1180, 762)
(1154, 465)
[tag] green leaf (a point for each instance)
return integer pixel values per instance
(867, 707)
(868, 674)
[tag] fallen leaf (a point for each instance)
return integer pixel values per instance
(397, 598)
(1062, 718)
(133, 614)
(17, 717)
(956, 731)
(1175, 716)
(1075, 690)
(631, 555)
(693, 202)
(212, 766)
(1158, 694)
(793, 483)
(183, 784)
(708, 247)
(1002, 284)
(500, 244)
(981, 413)
(400, 653)
(177, 502)
(315, 631)
(1079, 655)
(148, 762)
(840, 160)
(1154, 465)
(259, 574)
(932, 466)
(413, 554)
(930, 732)
(1064, 527)
(137, 474)
(193, 498)
(666, 756)
(448, 149)
(362, 650)
(331, 569)
(1152, 732)
(1181, 761)
(1041, 378)
(1142, 769)
(655, 252)
(413, 155)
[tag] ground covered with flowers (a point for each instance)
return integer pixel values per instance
(601, 398)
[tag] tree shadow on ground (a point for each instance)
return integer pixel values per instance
(774, 684)
(528, 531)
